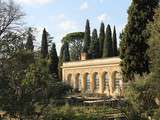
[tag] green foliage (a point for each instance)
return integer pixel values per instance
(75, 41)
(53, 66)
(44, 44)
(107, 48)
(66, 55)
(87, 37)
(133, 44)
(30, 38)
(114, 42)
(101, 39)
(94, 45)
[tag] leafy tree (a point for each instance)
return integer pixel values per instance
(114, 42)
(30, 38)
(53, 61)
(107, 48)
(44, 44)
(133, 44)
(101, 39)
(87, 37)
(94, 45)
(75, 41)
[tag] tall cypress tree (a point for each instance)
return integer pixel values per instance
(133, 44)
(66, 55)
(44, 44)
(107, 48)
(114, 42)
(87, 37)
(101, 39)
(94, 45)
(30, 38)
(53, 67)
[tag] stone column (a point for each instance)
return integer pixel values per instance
(111, 84)
(83, 82)
(101, 84)
(92, 83)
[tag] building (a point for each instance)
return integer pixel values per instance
(102, 76)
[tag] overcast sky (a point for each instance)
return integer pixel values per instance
(60, 17)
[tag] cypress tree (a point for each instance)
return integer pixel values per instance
(53, 67)
(114, 42)
(107, 48)
(87, 37)
(30, 38)
(134, 44)
(66, 55)
(101, 39)
(44, 44)
(94, 45)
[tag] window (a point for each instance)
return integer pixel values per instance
(80, 81)
(118, 78)
(87, 81)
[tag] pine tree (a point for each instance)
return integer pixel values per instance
(114, 42)
(30, 38)
(107, 48)
(44, 44)
(53, 67)
(87, 37)
(133, 44)
(94, 45)
(101, 39)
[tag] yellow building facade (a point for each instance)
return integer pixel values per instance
(102, 76)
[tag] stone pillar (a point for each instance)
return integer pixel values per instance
(111, 84)
(92, 85)
(101, 84)
(83, 82)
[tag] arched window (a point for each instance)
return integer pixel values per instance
(106, 81)
(96, 81)
(69, 79)
(88, 81)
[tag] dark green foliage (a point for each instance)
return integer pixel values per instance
(107, 48)
(94, 46)
(87, 37)
(30, 38)
(75, 41)
(44, 44)
(114, 42)
(53, 67)
(101, 39)
(133, 44)
(66, 55)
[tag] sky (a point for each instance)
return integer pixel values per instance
(60, 17)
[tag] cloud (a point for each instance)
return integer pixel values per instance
(35, 2)
(67, 25)
(84, 6)
(101, 1)
(102, 17)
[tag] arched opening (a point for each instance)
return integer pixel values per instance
(79, 81)
(69, 79)
(87, 77)
(106, 81)
(96, 81)
(117, 82)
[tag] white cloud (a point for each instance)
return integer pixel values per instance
(67, 25)
(35, 2)
(102, 17)
(84, 6)
(101, 1)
